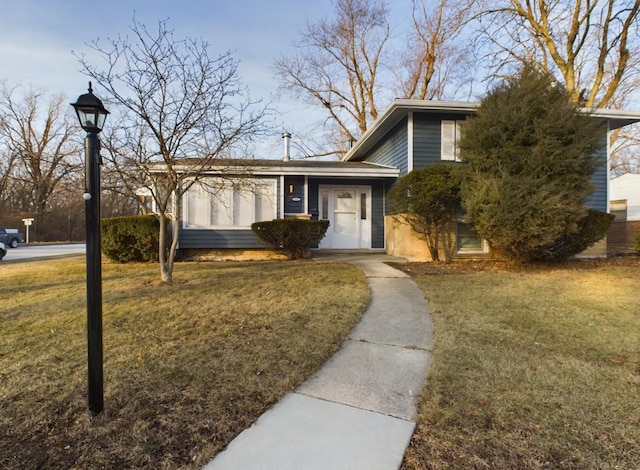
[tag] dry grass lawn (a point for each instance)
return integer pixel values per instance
(532, 369)
(187, 366)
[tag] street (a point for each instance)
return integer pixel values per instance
(32, 252)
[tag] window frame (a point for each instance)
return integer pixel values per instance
(450, 130)
(484, 245)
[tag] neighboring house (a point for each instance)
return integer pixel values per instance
(351, 193)
(624, 197)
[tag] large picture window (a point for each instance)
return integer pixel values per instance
(216, 203)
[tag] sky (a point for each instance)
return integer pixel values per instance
(37, 38)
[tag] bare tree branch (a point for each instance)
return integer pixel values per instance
(177, 104)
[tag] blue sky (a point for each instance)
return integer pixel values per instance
(37, 38)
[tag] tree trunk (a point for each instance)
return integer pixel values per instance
(165, 258)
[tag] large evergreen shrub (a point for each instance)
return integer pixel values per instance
(131, 238)
(591, 228)
(291, 237)
(531, 154)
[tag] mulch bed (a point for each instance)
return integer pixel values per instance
(478, 266)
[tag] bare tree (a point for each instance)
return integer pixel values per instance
(39, 150)
(625, 150)
(436, 56)
(338, 65)
(591, 46)
(349, 64)
(180, 110)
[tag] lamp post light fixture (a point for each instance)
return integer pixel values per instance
(92, 114)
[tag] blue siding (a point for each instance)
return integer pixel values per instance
(427, 137)
(392, 150)
(377, 202)
(291, 206)
(203, 238)
(426, 140)
(598, 199)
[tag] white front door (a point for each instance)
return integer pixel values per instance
(348, 209)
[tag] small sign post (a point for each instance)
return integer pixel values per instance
(27, 224)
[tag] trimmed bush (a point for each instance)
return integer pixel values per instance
(638, 241)
(291, 237)
(131, 239)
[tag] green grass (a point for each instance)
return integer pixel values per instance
(187, 366)
(535, 369)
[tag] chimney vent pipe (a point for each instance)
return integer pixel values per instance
(287, 146)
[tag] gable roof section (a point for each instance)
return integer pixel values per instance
(400, 108)
(395, 113)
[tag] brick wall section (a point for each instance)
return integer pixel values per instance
(621, 237)
(402, 241)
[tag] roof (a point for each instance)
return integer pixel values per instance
(293, 167)
(398, 109)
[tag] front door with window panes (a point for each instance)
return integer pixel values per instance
(348, 209)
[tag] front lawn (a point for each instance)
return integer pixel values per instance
(532, 369)
(187, 366)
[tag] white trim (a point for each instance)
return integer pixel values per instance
(306, 194)
(410, 142)
(281, 194)
(608, 162)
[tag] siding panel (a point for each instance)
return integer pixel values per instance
(392, 150)
(426, 140)
(598, 199)
(203, 238)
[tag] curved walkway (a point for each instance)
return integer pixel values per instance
(357, 411)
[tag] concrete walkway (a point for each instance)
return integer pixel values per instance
(357, 411)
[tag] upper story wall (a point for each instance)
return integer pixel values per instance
(425, 148)
(392, 150)
(427, 137)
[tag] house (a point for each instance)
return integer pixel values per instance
(625, 205)
(351, 193)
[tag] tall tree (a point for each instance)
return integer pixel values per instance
(531, 154)
(436, 57)
(350, 64)
(592, 47)
(39, 150)
(338, 65)
(179, 111)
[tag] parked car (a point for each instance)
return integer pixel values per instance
(3, 250)
(11, 237)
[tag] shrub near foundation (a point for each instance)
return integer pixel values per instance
(291, 237)
(130, 239)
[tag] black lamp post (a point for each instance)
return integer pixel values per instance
(92, 115)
